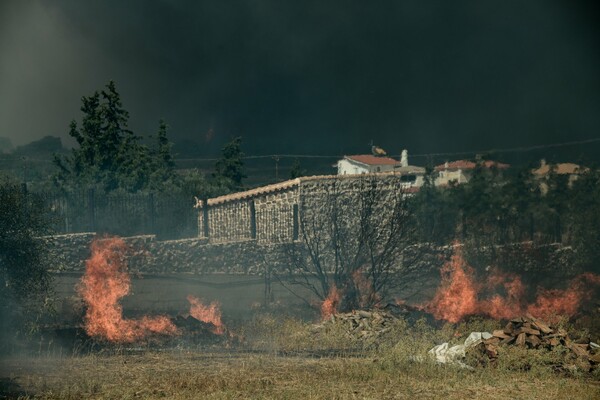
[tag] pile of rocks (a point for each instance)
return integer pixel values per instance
(533, 333)
(361, 324)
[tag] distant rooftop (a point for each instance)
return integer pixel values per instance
(560, 169)
(369, 159)
(466, 164)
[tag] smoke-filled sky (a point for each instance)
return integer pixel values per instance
(316, 77)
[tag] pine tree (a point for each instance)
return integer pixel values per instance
(110, 156)
(231, 165)
(297, 170)
(162, 163)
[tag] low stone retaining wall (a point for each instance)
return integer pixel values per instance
(150, 256)
(250, 257)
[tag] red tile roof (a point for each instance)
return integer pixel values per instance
(466, 164)
(560, 169)
(372, 160)
(291, 184)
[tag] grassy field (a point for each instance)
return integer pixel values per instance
(277, 360)
(185, 375)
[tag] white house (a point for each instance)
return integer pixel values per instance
(367, 163)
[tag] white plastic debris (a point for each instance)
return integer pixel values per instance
(444, 354)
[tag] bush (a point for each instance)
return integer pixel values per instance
(24, 276)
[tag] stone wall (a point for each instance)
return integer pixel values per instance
(164, 272)
(275, 216)
(69, 251)
(270, 214)
(150, 256)
(230, 222)
(265, 214)
(250, 257)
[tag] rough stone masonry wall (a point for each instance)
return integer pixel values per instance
(266, 217)
(69, 252)
(150, 256)
(344, 199)
(275, 216)
(229, 222)
(189, 259)
(315, 192)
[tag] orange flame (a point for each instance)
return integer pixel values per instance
(459, 295)
(209, 314)
(503, 307)
(105, 282)
(552, 302)
(331, 302)
(366, 293)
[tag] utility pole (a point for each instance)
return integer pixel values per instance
(25, 167)
(276, 158)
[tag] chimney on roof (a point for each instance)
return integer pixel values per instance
(404, 158)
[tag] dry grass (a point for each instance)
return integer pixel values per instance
(382, 370)
(226, 376)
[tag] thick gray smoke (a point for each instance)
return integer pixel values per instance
(317, 77)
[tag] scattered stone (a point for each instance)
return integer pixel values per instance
(361, 324)
(533, 333)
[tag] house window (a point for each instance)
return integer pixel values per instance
(408, 178)
(378, 169)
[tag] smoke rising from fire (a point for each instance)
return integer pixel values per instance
(106, 281)
(187, 61)
(502, 295)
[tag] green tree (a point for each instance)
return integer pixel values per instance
(584, 210)
(161, 160)
(556, 201)
(480, 205)
(520, 205)
(435, 211)
(24, 277)
(230, 166)
(297, 170)
(110, 156)
(196, 184)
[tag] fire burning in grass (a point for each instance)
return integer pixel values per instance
(331, 303)
(460, 295)
(106, 281)
(366, 296)
(209, 314)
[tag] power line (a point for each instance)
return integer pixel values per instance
(255, 157)
(513, 149)
(261, 156)
(504, 150)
